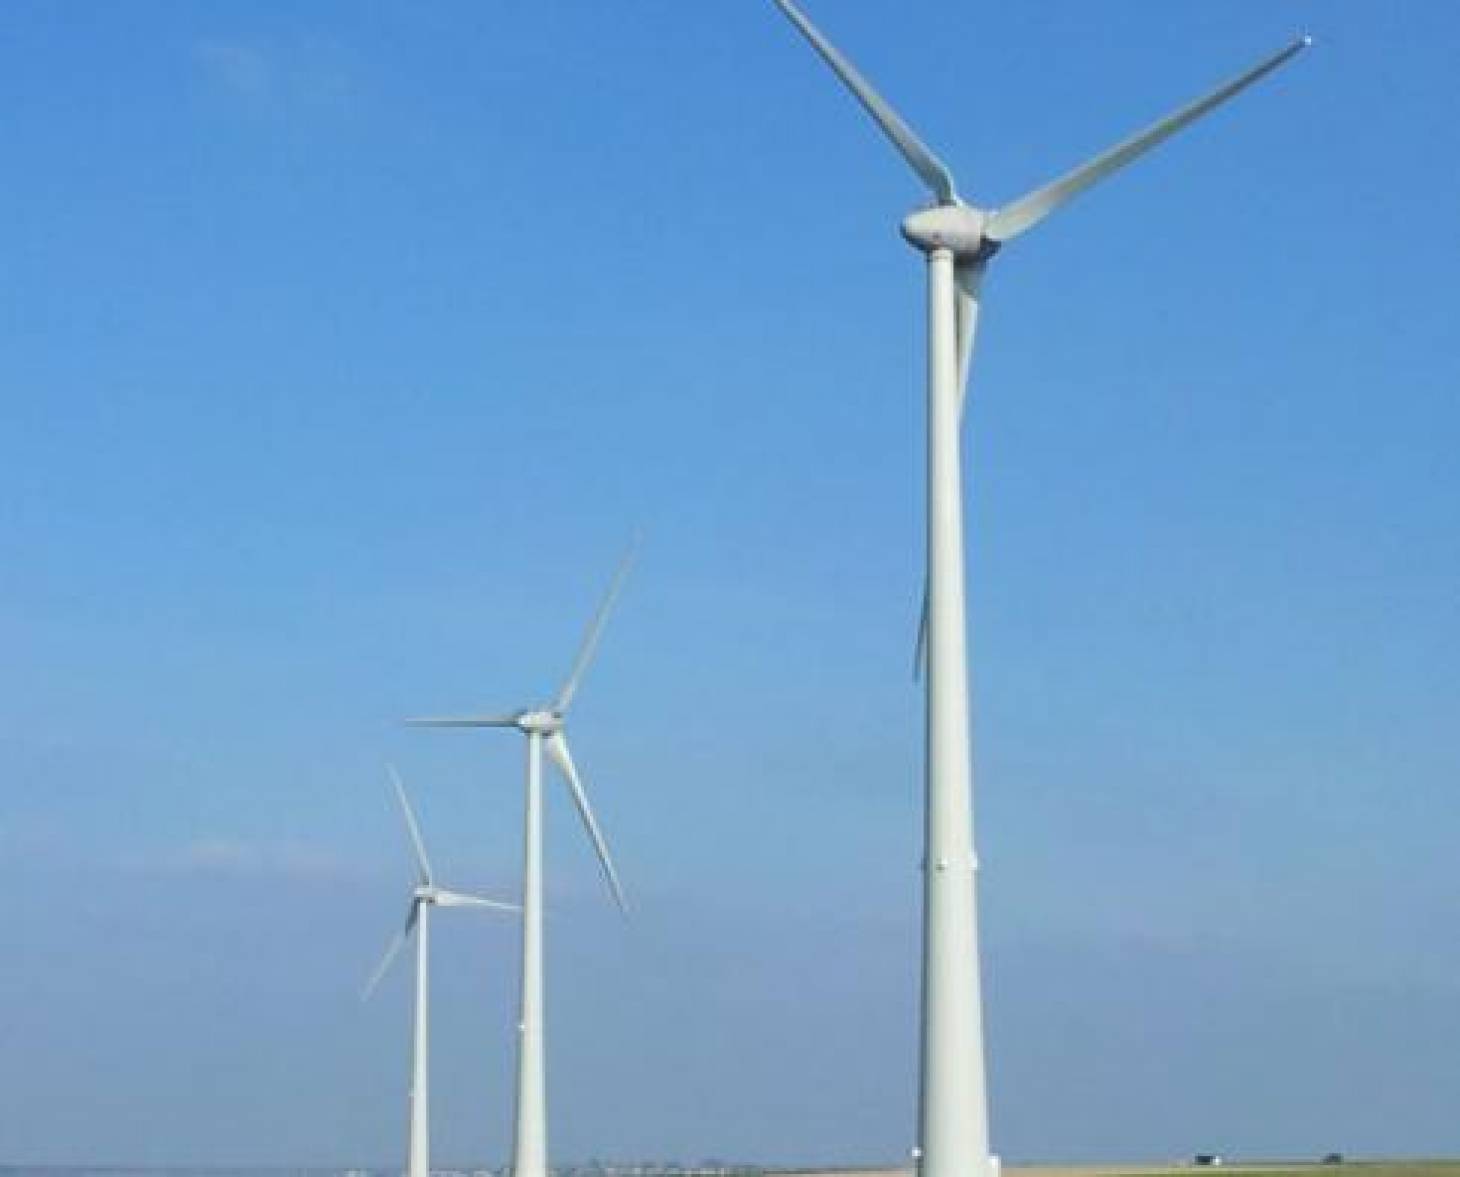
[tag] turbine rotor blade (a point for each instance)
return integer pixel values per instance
(968, 276)
(557, 748)
(463, 721)
(595, 631)
(397, 942)
(411, 826)
(1026, 212)
(459, 899)
(927, 165)
(920, 645)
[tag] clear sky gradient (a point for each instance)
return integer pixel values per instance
(343, 346)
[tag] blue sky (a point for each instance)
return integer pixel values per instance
(341, 349)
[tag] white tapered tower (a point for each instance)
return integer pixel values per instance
(958, 241)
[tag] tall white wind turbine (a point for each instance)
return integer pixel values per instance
(958, 241)
(424, 896)
(544, 727)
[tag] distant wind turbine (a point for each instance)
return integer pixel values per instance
(544, 726)
(959, 241)
(424, 896)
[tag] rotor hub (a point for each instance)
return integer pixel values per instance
(542, 723)
(957, 228)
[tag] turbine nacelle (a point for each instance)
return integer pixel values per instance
(958, 228)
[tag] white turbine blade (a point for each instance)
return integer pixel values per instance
(460, 899)
(1029, 210)
(411, 827)
(396, 944)
(927, 165)
(595, 631)
(969, 275)
(920, 645)
(392, 950)
(969, 278)
(557, 748)
(463, 721)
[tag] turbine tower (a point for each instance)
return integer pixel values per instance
(544, 728)
(424, 896)
(958, 241)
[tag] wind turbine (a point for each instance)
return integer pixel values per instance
(959, 240)
(544, 727)
(424, 896)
